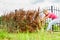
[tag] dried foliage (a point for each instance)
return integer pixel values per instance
(22, 21)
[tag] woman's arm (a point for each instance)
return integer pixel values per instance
(46, 17)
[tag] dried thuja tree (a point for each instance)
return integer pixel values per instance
(37, 20)
(22, 20)
(29, 19)
(33, 20)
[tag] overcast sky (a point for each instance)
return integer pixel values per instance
(8, 5)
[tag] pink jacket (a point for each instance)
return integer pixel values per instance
(52, 15)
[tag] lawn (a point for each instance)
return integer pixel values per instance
(40, 35)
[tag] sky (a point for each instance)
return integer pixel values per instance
(11, 5)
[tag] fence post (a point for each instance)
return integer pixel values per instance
(51, 8)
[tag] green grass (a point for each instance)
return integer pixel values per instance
(40, 35)
(56, 28)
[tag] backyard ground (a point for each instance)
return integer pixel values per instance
(40, 35)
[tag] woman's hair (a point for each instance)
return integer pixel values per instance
(45, 10)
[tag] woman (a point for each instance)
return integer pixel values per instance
(54, 18)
